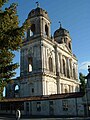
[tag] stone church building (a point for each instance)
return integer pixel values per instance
(47, 64)
(48, 72)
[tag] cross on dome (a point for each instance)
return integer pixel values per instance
(60, 24)
(38, 5)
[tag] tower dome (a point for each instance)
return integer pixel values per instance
(62, 36)
(38, 12)
(61, 32)
(40, 23)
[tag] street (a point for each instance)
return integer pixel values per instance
(75, 118)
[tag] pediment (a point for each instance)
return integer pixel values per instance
(65, 48)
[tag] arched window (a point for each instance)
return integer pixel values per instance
(64, 40)
(46, 30)
(30, 64)
(69, 44)
(16, 87)
(50, 64)
(32, 30)
(16, 90)
(64, 72)
(4, 92)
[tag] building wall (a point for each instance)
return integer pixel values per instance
(56, 107)
(80, 107)
(32, 86)
(36, 71)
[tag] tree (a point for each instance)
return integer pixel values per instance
(82, 81)
(11, 36)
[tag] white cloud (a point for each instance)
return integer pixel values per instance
(84, 65)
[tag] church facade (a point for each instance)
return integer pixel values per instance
(48, 82)
(47, 64)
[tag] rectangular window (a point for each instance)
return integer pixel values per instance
(39, 106)
(32, 90)
(65, 105)
(22, 106)
(27, 106)
(51, 103)
(51, 107)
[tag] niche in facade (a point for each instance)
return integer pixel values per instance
(66, 91)
(32, 30)
(70, 67)
(64, 72)
(50, 64)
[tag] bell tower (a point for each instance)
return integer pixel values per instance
(40, 23)
(40, 27)
(32, 53)
(62, 36)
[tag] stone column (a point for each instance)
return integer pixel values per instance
(42, 58)
(70, 68)
(76, 71)
(46, 58)
(62, 88)
(58, 85)
(57, 70)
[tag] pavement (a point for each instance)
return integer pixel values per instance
(75, 118)
(37, 118)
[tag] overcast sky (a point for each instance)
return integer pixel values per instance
(74, 16)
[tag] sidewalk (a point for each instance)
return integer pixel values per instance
(13, 117)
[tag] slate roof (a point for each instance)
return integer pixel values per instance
(46, 97)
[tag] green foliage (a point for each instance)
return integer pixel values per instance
(82, 81)
(2, 2)
(11, 36)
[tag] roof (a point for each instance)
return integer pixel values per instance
(38, 12)
(46, 97)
